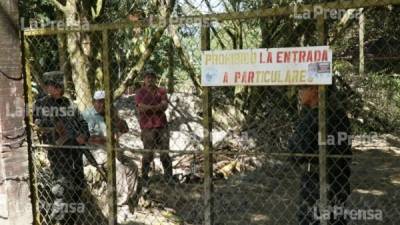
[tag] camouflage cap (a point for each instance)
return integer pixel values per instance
(55, 78)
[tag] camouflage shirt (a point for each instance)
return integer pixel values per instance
(306, 138)
(55, 114)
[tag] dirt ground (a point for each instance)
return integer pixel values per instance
(268, 195)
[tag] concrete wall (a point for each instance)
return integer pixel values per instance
(14, 190)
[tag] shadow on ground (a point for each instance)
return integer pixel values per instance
(268, 195)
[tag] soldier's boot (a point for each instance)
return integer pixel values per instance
(167, 166)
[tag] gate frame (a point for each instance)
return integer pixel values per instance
(206, 95)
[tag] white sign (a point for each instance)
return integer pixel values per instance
(273, 66)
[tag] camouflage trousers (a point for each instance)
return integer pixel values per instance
(67, 186)
(338, 190)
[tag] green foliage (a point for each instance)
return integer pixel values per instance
(373, 99)
(38, 10)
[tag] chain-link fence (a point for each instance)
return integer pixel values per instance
(121, 129)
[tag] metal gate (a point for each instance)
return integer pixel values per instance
(237, 153)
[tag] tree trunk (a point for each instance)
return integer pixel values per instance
(64, 65)
(78, 44)
(78, 60)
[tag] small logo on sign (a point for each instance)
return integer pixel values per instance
(211, 76)
(318, 71)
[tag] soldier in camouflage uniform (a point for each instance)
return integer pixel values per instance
(62, 125)
(305, 140)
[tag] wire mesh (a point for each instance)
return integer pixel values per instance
(265, 140)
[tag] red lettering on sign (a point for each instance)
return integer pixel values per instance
(286, 57)
(279, 57)
(269, 59)
(324, 56)
(237, 76)
(302, 56)
(309, 56)
(225, 78)
(295, 56)
(317, 57)
(251, 76)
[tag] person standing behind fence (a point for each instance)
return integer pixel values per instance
(61, 124)
(151, 103)
(305, 140)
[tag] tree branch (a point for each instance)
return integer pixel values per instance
(226, 29)
(215, 32)
(155, 38)
(185, 59)
(98, 7)
(232, 36)
(344, 24)
(58, 5)
(133, 73)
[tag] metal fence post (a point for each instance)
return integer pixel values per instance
(111, 176)
(207, 126)
(361, 33)
(322, 131)
(28, 121)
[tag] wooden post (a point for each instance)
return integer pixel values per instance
(207, 141)
(323, 188)
(111, 167)
(28, 121)
(361, 34)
